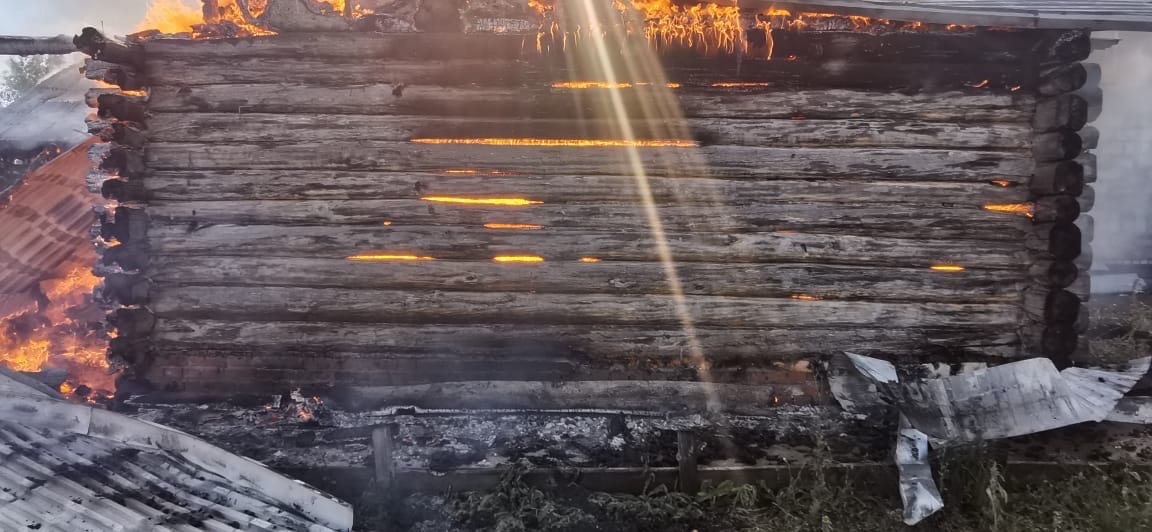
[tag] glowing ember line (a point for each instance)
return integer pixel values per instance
(548, 143)
(367, 257)
(469, 171)
(518, 258)
(605, 85)
(530, 227)
(947, 268)
(740, 84)
(1011, 208)
(1002, 183)
(980, 85)
(806, 297)
(589, 259)
(387, 223)
(513, 202)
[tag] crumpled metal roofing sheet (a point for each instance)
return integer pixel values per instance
(57, 480)
(1135, 15)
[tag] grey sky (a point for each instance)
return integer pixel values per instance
(55, 17)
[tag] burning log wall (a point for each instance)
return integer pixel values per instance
(417, 218)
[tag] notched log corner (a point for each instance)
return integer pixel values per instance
(125, 162)
(1062, 177)
(125, 289)
(129, 225)
(123, 108)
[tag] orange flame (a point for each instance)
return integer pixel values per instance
(549, 143)
(530, 227)
(980, 85)
(371, 257)
(589, 260)
(952, 268)
(518, 258)
(511, 202)
(179, 16)
(1011, 208)
(806, 297)
(1002, 183)
(470, 171)
(605, 85)
(387, 223)
(740, 84)
(1015, 88)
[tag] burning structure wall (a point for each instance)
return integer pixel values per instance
(626, 218)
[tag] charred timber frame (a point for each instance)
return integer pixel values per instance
(203, 163)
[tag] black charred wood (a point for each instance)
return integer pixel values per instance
(1064, 239)
(128, 256)
(1063, 177)
(128, 225)
(125, 162)
(1062, 79)
(123, 190)
(128, 135)
(92, 42)
(121, 108)
(1056, 209)
(1059, 145)
(1066, 111)
(126, 289)
(132, 322)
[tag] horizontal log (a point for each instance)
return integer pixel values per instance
(341, 370)
(176, 186)
(392, 306)
(21, 45)
(602, 344)
(721, 161)
(945, 47)
(607, 277)
(1055, 341)
(1058, 240)
(1063, 177)
(1087, 198)
(345, 45)
(302, 128)
(384, 99)
(1056, 146)
(1056, 209)
(1053, 273)
(465, 243)
(1052, 305)
(1067, 78)
(95, 44)
(901, 221)
(1066, 111)
(950, 47)
(784, 75)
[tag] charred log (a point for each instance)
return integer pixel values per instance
(1054, 306)
(1066, 111)
(92, 42)
(123, 76)
(1062, 241)
(126, 289)
(1067, 78)
(125, 162)
(1056, 209)
(1087, 198)
(122, 108)
(1053, 273)
(123, 190)
(1056, 146)
(129, 136)
(129, 257)
(129, 226)
(1064, 177)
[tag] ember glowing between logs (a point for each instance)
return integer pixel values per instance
(951, 268)
(369, 257)
(510, 202)
(1011, 208)
(806, 297)
(530, 227)
(604, 85)
(518, 258)
(575, 143)
(589, 259)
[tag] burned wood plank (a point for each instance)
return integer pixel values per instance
(344, 45)
(391, 306)
(299, 128)
(603, 345)
(256, 185)
(334, 73)
(607, 277)
(744, 161)
(723, 215)
(736, 102)
(979, 45)
(447, 242)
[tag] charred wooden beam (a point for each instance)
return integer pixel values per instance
(125, 162)
(17, 45)
(1056, 146)
(426, 46)
(92, 42)
(1063, 177)
(1066, 111)
(126, 289)
(1060, 240)
(1067, 78)
(293, 185)
(604, 346)
(123, 76)
(132, 322)
(1087, 198)
(92, 97)
(718, 161)
(368, 306)
(1056, 209)
(123, 190)
(300, 128)
(609, 277)
(129, 257)
(1053, 273)
(128, 226)
(975, 47)
(447, 242)
(1053, 306)
(717, 215)
(122, 108)
(742, 103)
(129, 136)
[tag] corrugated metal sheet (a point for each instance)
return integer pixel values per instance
(1135, 15)
(51, 112)
(63, 481)
(68, 467)
(45, 221)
